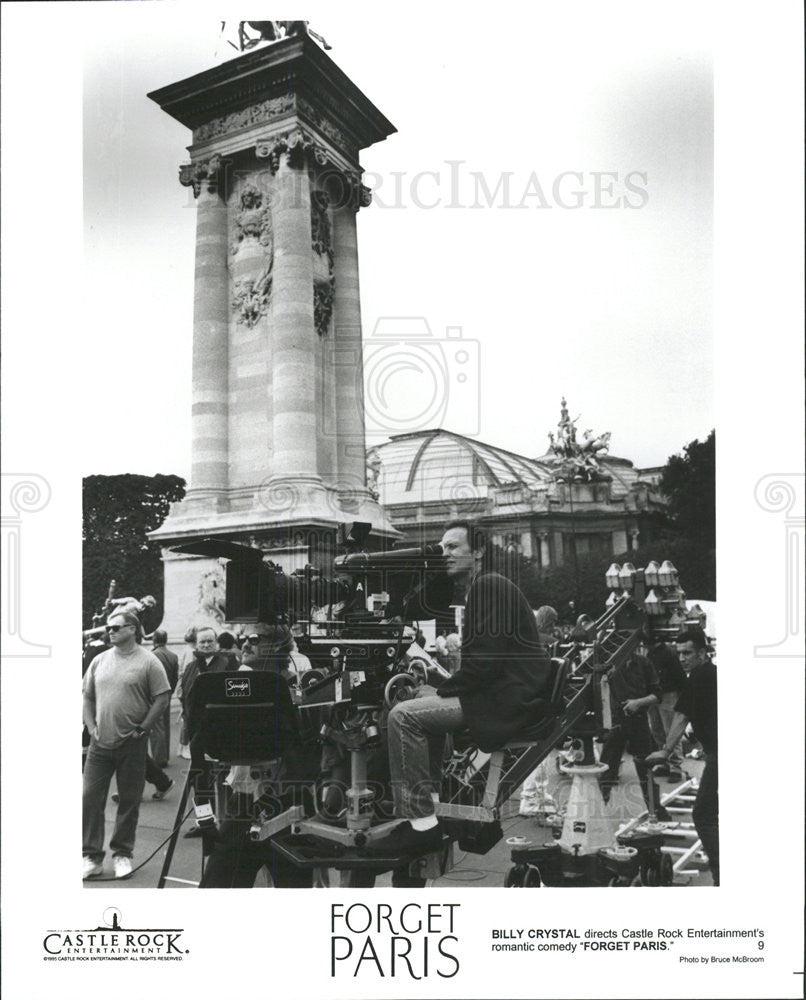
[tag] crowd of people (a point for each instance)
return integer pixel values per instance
(498, 683)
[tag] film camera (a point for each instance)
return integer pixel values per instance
(363, 657)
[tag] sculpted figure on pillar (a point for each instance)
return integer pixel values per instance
(272, 31)
(252, 218)
(373, 472)
(574, 459)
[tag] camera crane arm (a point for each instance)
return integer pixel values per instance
(577, 705)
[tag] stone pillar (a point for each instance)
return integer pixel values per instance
(526, 543)
(347, 354)
(558, 548)
(210, 436)
(293, 347)
(619, 541)
(545, 553)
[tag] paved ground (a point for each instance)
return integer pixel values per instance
(472, 870)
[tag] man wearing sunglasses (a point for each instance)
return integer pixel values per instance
(125, 692)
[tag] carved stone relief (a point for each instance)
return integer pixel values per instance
(265, 111)
(322, 245)
(326, 126)
(251, 222)
(252, 218)
(212, 594)
(251, 297)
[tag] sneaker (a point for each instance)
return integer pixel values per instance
(661, 770)
(404, 839)
(159, 795)
(677, 777)
(92, 868)
(123, 866)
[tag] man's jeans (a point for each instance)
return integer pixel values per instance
(128, 763)
(632, 734)
(660, 721)
(705, 813)
(417, 730)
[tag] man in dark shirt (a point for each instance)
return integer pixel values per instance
(160, 738)
(500, 688)
(697, 705)
(672, 680)
(633, 689)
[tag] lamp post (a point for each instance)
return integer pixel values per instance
(567, 476)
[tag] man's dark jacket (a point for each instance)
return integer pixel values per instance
(505, 674)
(170, 661)
(215, 664)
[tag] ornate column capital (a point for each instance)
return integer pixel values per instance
(201, 172)
(298, 146)
(301, 149)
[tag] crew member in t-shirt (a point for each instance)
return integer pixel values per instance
(125, 691)
(697, 705)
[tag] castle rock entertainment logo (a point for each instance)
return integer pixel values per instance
(114, 943)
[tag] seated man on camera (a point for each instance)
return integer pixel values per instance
(501, 688)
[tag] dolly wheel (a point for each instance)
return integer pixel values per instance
(650, 876)
(666, 870)
(515, 876)
(531, 880)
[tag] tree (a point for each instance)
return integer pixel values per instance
(689, 483)
(119, 511)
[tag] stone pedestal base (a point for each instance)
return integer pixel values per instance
(294, 520)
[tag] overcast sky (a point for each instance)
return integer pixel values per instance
(608, 303)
